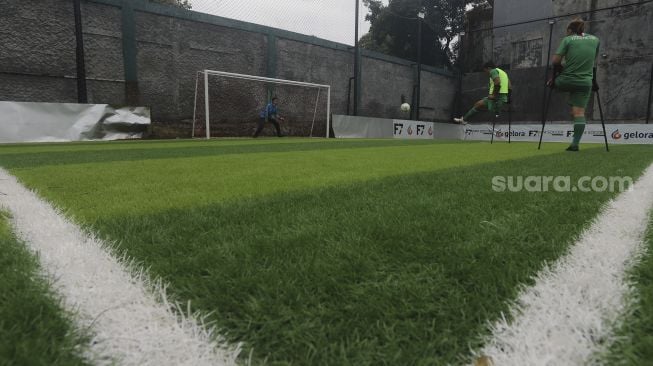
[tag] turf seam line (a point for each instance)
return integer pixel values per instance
(128, 313)
(569, 315)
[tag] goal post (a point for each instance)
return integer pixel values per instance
(210, 89)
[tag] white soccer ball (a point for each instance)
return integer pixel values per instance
(405, 107)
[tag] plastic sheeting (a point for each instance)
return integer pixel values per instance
(50, 122)
(362, 127)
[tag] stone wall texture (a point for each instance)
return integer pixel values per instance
(147, 54)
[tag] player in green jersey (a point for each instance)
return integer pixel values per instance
(575, 76)
(499, 88)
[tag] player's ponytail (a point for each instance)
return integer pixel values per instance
(577, 26)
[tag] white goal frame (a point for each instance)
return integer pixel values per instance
(206, 74)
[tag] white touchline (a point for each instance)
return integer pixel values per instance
(567, 317)
(130, 323)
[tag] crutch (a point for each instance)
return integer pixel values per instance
(544, 115)
(509, 115)
(494, 122)
(595, 90)
(557, 69)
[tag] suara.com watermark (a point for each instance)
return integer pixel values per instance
(539, 183)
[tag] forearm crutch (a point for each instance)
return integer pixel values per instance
(509, 115)
(595, 90)
(545, 112)
(494, 122)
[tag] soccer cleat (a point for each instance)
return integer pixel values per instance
(572, 148)
(460, 120)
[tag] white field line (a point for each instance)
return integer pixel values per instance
(568, 316)
(128, 315)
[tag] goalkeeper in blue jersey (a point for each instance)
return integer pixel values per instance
(269, 114)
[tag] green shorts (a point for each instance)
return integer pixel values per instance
(579, 94)
(493, 105)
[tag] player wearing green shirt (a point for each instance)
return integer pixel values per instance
(499, 88)
(579, 51)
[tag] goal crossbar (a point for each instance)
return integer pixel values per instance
(206, 74)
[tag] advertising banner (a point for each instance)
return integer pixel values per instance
(617, 133)
(406, 129)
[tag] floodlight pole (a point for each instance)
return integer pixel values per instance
(356, 62)
(420, 17)
(545, 101)
(650, 95)
(82, 95)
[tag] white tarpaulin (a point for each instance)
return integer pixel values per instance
(617, 133)
(43, 122)
(361, 127)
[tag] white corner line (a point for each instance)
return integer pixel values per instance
(130, 319)
(568, 316)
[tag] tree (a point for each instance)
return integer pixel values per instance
(394, 28)
(185, 4)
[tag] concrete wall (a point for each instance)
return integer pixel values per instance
(510, 41)
(478, 40)
(624, 64)
(140, 53)
(626, 57)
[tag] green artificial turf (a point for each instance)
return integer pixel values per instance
(335, 252)
(34, 330)
(634, 344)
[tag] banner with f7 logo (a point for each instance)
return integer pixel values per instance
(404, 129)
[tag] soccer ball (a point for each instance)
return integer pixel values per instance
(405, 107)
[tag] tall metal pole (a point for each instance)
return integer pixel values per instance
(650, 94)
(82, 96)
(548, 61)
(420, 16)
(545, 102)
(356, 53)
(461, 61)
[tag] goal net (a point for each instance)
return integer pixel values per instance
(229, 105)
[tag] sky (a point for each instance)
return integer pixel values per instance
(328, 19)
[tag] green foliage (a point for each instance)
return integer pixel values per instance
(394, 28)
(34, 330)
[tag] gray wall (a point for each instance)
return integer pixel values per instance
(477, 44)
(140, 53)
(624, 66)
(507, 40)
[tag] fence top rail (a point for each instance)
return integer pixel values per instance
(261, 78)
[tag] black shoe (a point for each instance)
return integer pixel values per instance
(573, 148)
